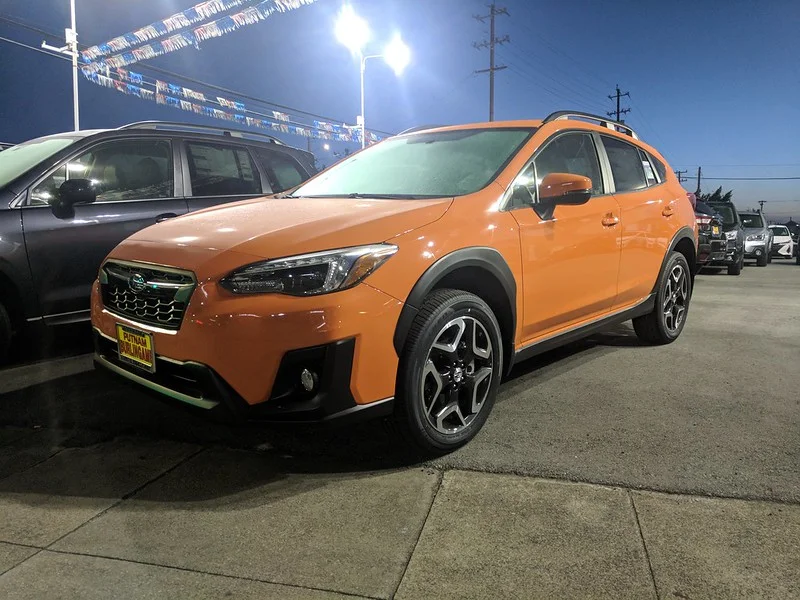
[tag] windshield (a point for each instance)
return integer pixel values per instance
(780, 231)
(752, 221)
(726, 212)
(18, 159)
(423, 165)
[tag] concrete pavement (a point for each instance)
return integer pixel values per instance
(607, 470)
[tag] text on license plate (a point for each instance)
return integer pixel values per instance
(715, 229)
(135, 347)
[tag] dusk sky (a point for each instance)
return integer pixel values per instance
(712, 83)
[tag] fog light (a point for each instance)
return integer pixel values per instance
(308, 380)
(758, 252)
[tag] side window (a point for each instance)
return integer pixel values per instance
(283, 171)
(626, 165)
(120, 170)
(571, 153)
(221, 170)
(660, 168)
(649, 175)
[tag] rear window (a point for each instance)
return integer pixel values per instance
(727, 213)
(626, 165)
(780, 230)
(283, 171)
(660, 168)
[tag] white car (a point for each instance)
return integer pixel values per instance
(782, 242)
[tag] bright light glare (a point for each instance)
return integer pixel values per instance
(352, 30)
(326, 147)
(397, 55)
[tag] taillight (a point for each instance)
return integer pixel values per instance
(701, 220)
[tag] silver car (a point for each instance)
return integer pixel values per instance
(757, 237)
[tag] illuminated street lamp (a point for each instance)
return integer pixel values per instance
(353, 32)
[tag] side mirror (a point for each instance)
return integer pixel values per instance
(565, 188)
(76, 191)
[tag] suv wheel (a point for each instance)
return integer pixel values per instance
(449, 372)
(736, 269)
(761, 261)
(5, 334)
(666, 322)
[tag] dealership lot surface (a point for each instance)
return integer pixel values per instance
(606, 469)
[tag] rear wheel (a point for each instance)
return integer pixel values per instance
(449, 372)
(5, 334)
(665, 323)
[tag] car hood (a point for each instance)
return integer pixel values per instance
(754, 231)
(277, 227)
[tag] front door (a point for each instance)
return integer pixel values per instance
(570, 261)
(134, 179)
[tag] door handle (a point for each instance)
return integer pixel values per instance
(165, 217)
(610, 220)
(668, 210)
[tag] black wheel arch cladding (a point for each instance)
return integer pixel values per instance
(488, 260)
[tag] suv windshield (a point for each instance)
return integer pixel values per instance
(752, 221)
(422, 165)
(726, 212)
(18, 159)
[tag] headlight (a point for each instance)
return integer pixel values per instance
(309, 274)
(755, 238)
(731, 235)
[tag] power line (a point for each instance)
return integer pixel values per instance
(34, 48)
(181, 77)
(753, 178)
(490, 44)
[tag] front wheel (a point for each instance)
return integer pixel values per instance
(761, 261)
(665, 323)
(736, 269)
(450, 371)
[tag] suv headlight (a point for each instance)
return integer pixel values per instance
(731, 235)
(309, 274)
(755, 238)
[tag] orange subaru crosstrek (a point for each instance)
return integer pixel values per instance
(406, 280)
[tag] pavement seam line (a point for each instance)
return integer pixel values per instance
(440, 477)
(211, 573)
(128, 495)
(606, 484)
(644, 545)
(12, 567)
(36, 464)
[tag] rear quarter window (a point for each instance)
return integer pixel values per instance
(282, 170)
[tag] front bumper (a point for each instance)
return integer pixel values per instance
(726, 253)
(783, 250)
(754, 249)
(231, 350)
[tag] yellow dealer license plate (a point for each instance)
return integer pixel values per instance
(136, 348)
(715, 229)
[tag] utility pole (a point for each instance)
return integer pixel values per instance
(620, 111)
(680, 176)
(761, 204)
(699, 171)
(491, 43)
(71, 50)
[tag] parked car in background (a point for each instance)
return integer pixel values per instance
(732, 226)
(711, 239)
(405, 280)
(66, 200)
(783, 245)
(758, 237)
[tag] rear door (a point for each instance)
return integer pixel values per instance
(646, 209)
(217, 173)
(136, 182)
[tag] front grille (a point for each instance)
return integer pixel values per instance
(145, 293)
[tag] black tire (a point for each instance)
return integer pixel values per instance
(441, 308)
(798, 259)
(6, 331)
(736, 269)
(761, 261)
(655, 327)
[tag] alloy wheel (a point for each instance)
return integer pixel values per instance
(676, 297)
(457, 375)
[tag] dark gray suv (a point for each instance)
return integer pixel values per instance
(67, 200)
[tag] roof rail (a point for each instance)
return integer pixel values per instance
(418, 128)
(177, 126)
(562, 115)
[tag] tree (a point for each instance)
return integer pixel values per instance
(717, 196)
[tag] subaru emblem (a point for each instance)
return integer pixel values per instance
(137, 282)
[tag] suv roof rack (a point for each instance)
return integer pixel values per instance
(562, 115)
(177, 126)
(418, 128)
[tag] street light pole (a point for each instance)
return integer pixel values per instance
(363, 116)
(71, 50)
